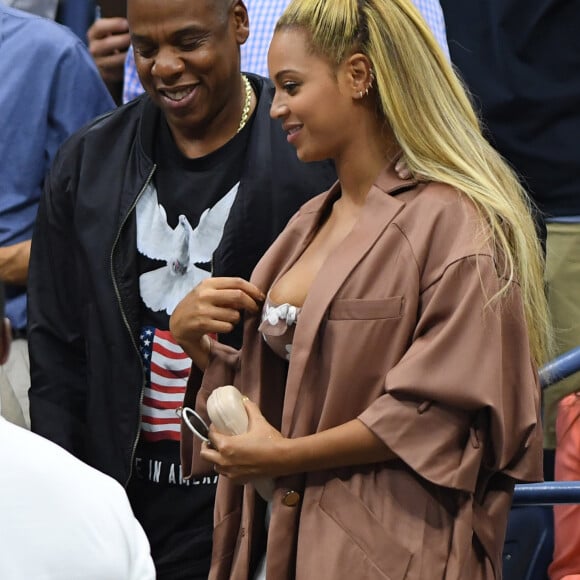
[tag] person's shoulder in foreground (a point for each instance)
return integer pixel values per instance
(61, 519)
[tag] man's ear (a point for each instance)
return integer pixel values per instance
(242, 21)
(5, 340)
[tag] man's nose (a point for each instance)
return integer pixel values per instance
(167, 64)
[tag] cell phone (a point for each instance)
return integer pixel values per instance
(112, 8)
(195, 423)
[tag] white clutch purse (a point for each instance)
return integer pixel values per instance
(225, 407)
(226, 410)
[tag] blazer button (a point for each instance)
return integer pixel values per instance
(291, 498)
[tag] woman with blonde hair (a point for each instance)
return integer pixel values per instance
(392, 333)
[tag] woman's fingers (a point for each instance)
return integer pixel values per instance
(242, 458)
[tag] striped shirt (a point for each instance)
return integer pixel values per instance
(167, 369)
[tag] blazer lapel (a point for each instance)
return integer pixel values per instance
(379, 210)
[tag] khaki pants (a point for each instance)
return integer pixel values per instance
(14, 385)
(563, 286)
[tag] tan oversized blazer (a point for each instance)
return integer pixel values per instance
(394, 331)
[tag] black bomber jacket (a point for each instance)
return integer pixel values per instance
(83, 296)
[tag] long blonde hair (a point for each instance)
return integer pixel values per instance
(430, 113)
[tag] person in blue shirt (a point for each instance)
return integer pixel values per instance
(50, 88)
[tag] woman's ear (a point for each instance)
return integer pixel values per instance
(360, 74)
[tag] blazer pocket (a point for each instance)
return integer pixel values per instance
(356, 309)
(377, 543)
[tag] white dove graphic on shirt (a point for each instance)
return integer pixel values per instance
(181, 248)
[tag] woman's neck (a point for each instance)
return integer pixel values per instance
(360, 165)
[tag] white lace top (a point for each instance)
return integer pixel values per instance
(278, 326)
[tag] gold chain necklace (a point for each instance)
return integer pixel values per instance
(247, 103)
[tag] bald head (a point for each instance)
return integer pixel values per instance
(221, 7)
(193, 45)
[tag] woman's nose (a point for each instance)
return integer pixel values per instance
(278, 109)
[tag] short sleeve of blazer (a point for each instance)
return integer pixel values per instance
(465, 393)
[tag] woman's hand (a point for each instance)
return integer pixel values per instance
(212, 307)
(263, 452)
(255, 454)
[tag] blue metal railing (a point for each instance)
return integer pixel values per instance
(552, 492)
(547, 493)
(561, 367)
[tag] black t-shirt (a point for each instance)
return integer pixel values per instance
(179, 226)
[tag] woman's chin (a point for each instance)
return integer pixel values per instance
(307, 156)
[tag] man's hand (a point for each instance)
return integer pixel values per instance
(212, 307)
(108, 43)
(14, 263)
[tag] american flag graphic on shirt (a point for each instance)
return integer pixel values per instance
(167, 369)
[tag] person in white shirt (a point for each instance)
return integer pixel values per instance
(61, 519)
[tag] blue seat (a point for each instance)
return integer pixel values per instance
(529, 543)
